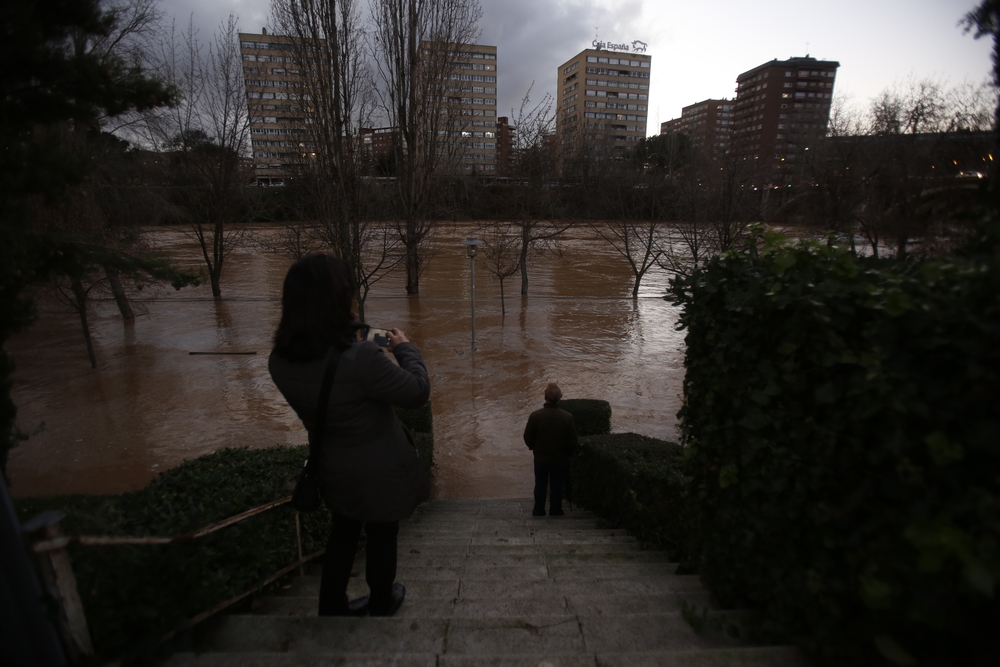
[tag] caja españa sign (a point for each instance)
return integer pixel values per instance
(635, 47)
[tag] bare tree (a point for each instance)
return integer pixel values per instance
(532, 172)
(634, 231)
(416, 51)
(501, 252)
(972, 106)
(207, 136)
(337, 97)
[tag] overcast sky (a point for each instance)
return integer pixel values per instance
(698, 48)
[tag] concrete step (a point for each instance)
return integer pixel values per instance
(767, 656)
(490, 585)
(596, 605)
(506, 635)
(471, 586)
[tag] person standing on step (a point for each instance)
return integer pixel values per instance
(551, 435)
(370, 472)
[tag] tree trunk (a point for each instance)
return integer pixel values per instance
(115, 282)
(503, 306)
(412, 259)
(525, 242)
(218, 257)
(902, 246)
(81, 308)
(216, 287)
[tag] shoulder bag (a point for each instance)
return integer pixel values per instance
(308, 494)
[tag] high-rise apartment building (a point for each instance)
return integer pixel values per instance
(473, 84)
(603, 98)
(273, 90)
(782, 107)
(708, 124)
(471, 90)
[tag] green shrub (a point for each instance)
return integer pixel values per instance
(591, 417)
(418, 420)
(635, 482)
(843, 440)
(132, 592)
(425, 449)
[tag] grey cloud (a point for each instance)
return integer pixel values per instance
(533, 37)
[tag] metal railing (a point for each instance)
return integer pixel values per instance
(50, 548)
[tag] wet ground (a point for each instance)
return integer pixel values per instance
(150, 404)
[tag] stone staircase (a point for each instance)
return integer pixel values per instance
(488, 584)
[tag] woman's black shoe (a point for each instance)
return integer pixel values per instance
(395, 602)
(357, 607)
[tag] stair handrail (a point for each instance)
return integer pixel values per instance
(49, 546)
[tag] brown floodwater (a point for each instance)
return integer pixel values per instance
(150, 405)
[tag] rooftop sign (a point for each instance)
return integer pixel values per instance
(635, 47)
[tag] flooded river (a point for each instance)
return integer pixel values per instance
(150, 404)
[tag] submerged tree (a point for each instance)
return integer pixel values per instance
(336, 98)
(416, 51)
(205, 139)
(501, 253)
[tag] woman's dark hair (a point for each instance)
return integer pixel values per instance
(315, 308)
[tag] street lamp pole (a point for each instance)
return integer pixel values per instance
(470, 246)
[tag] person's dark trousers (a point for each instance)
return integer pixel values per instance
(551, 478)
(380, 562)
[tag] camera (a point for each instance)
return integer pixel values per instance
(378, 336)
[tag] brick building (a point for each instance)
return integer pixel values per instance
(781, 108)
(708, 124)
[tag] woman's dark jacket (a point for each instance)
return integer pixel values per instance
(551, 435)
(369, 468)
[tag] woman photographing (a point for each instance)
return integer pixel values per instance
(371, 475)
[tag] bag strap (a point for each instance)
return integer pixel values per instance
(319, 423)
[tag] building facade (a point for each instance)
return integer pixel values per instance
(467, 138)
(781, 108)
(506, 135)
(273, 84)
(603, 98)
(708, 124)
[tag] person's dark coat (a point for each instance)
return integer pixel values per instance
(370, 469)
(551, 435)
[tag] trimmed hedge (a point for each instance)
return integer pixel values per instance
(635, 482)
(591, 417)
(135, 592)
(842, 428)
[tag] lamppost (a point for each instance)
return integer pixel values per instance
(470, 246)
